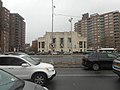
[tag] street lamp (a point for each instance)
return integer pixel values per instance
(52, 18)
(52, 23)
(70, 20)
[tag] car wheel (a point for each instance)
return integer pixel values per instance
(39, 78)
(95, 67)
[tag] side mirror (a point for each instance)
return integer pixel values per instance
(25, 65)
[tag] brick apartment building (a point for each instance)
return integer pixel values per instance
(12, 30)
(17, 32)
(101, 30)
(5, 29)
(35, 46)
(1, 4)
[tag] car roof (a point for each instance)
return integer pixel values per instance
(15, 53)
(12, 56)
(102, 52)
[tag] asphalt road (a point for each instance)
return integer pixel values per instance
(83, 79)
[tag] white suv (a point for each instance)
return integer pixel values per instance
(25, 67)
(116, 66)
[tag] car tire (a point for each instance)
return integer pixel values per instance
(39, 78)
(95, 67)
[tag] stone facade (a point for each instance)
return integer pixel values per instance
(61, 41)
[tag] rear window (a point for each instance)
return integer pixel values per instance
(112, 56)
(118, 58)
(93, 55)
(102, 55)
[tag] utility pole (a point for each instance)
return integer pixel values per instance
(52, 19)
(52, 25)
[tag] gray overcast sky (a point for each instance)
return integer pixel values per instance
(37, 13)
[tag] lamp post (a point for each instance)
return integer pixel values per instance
(52, 24)
(52, 18)
(70, 20)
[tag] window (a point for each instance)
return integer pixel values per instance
(39, 45)
(84, 44)
(80, 44)
(69, 40)
(69, 44)
(93, 55)
(112, 56)
(54, 40)
(102, 55)
(11, 61)
(61, 42)
(43, 44)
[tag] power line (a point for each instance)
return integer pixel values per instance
(67, 15)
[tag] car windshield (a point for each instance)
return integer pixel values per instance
(118, 58)
(112, 55)
(9, 82)
(31, 60)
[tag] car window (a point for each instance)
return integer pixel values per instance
(4, 61)
(118, 58)
(93, 55)
(102, 55)
(112, 56)
(31, 60)
(9, 82)
(11, 61)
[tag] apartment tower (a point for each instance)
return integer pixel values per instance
(4, 28)
(1, 4)
(102, 30)
(17, 32)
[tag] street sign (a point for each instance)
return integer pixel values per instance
(52, 45)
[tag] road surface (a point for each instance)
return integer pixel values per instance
(83, 79)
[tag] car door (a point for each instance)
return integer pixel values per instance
(13, 65)
(103, 60)
(110, 59)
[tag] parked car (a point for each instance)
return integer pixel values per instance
(31, 53)
(98, 60)
(116, 66)
(25, 67)
(11, 82)
(67, 52)
(55, 53)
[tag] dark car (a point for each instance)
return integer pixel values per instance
(98, 60)
(11, 82)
